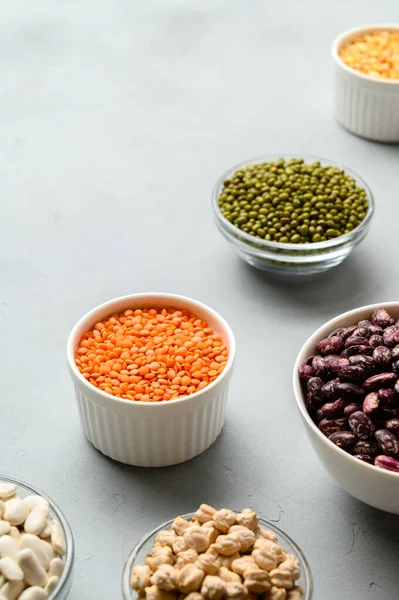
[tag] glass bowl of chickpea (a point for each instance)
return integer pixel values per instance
(144, 548)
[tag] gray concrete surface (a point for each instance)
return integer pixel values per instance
(116, 117)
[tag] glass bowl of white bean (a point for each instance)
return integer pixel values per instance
(59, 568)
(303, 585)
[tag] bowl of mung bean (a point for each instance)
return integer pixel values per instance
(366, 81)
(292, 216)
(151, 375)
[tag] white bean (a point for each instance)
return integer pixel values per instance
(8, 547)
(37, 519)
(2, 508)
(46, 533)
(16, 511)
(37, 546)
(31, 567)
(35, 500)
(56, 567)
(11, 590)
(51, 584)
(7, 490)
(14, 533)
(11, 569)
(34, 593)
(2, 581)
(4, 527)
(58, 538)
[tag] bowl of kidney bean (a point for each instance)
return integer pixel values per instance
(346, 384)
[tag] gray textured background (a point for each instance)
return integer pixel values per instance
(116, 117)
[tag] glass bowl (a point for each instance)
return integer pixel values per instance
(144, 546)
(62, 590)
(291, 259)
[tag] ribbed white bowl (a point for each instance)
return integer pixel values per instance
(148, 434)
(366, 106)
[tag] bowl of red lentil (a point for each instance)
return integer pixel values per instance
(366, 81)
(151, 375)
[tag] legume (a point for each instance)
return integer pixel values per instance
(150, 355)
(289, 201)
(352, 389)
(375, 54)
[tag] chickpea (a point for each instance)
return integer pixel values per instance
(140, 578)
(190, 579)
(213, 587)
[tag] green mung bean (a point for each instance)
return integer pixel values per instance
(294, 202)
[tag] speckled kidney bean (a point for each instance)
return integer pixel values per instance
(354, 340)
(311, 405)
(364, 323)
(319, 366)
(364, 458)
(334, 364)
(314, 387)
(329, 389)
(395, 367)
(361, 425)
(380, 317)
(305, 372)
(375, 341)
(391, 339)
(387, 462)
(395, 352)
(340, 332)
(386, 396)
(369, 447)
(351, 408)
(363, 332)
(393, 425)
(381, 380)
(382, 357)
(387, 441)
(332, 410)
(352, 373)
(330, 345)
(371, 403)
(366, 362)
(375, 330)
(329, 426)
(356, 350)
(350, 391)
(343, 439)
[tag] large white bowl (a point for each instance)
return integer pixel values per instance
(366, 106)
(152, 434)
(374, 486)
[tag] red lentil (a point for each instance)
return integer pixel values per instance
(150, 355)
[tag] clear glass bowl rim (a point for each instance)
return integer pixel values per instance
(126, 575)
(251, 239)
(68, 532)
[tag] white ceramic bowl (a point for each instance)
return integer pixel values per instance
(62, 590)
(148, 434)
(366, 106)
(372, 485)
(144, 547)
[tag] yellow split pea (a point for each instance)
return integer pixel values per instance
(375, 54)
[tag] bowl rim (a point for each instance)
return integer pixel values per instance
(265, 244)
(169, 296)
(340, 40)
(70, 553)
(312, 340)
(126, 573)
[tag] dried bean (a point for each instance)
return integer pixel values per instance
(380, 317)
(376, 330)
(329, 426)
(314, 387)
(311, 405)
(330, 345)
(380, 381)
(332, 410)
(389, 413)
(351, 408)
(395, 353)
(375, 341)
(371, 403)
(319, 366)
(393, 425)
(387, 462)
(343, 439)
(391, 339)
(353, 373)
(361, 332)
(348, 332)
(396, 387)
(329, 389)
(364, 323)
(334, 364)
(395, 367)
(364, 458)
(310, 360)
(352, 350)
(361, 425)
(340, 332)
(369, 447)
(305, 372)
(386, 396)
(382, 357)
(350, 391)
(356, 341)
(366, 362)
(387, 441)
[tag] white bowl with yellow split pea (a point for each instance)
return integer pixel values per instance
(152, 434)
(366, 103)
